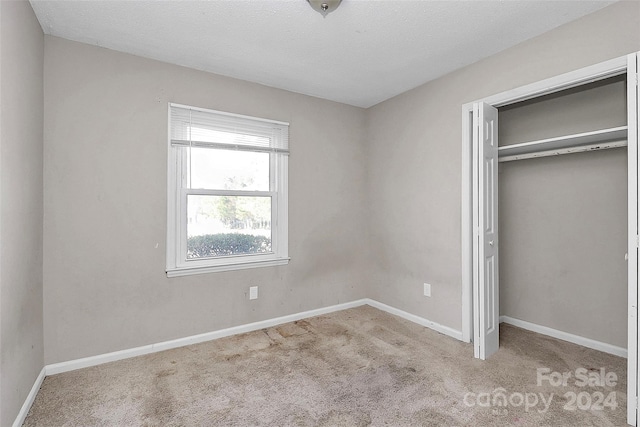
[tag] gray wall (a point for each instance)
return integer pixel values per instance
(563, 219)
(414, 163)
(105, 205)
(595, 106)
(375, 196)
(21, 99)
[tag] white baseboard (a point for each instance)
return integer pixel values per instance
(576, 339)
(24, 411)
(57, 368)
(86, 362)
(454, 333)
(71, 365)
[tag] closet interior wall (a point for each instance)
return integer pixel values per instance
(563, 219)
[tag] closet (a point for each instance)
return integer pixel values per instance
(562, 206)
(544, 213)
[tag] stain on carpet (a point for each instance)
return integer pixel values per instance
(357, 367)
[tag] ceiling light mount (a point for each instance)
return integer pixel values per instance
(324, 7)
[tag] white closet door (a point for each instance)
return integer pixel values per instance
(633, 95)
(485, 286)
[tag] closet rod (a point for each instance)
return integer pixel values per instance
(576, 143)
(569, 150)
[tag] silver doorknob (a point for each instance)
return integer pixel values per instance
(490, 242)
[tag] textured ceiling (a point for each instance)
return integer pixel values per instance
(361, 54)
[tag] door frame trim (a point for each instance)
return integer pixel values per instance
(593, 73)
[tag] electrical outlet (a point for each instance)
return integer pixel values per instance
(427, 290)
(253, 292)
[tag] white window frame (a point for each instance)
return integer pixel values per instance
(177, 193)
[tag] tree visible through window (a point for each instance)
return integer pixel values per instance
(227, 186)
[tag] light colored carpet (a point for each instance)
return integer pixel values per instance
(356, 367)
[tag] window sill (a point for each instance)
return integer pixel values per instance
(189, 271)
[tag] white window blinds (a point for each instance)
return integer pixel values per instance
(197, 127)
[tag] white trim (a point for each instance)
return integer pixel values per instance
(225, 113)
(31, 397)
(562, 151)
(568, 80)
(585, 141)
(178, 190)
(617, 66)
(632, 240)
(565, 336)
(229, 266)
(239, 193)
(57, 368)
(475, 239)
(468, 230)
(582, 76)
(172, 196)
(467, 226)
(85, 362)
(446, 330)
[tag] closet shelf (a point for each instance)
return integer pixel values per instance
(588, 141)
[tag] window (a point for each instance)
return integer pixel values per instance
(227, 191)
